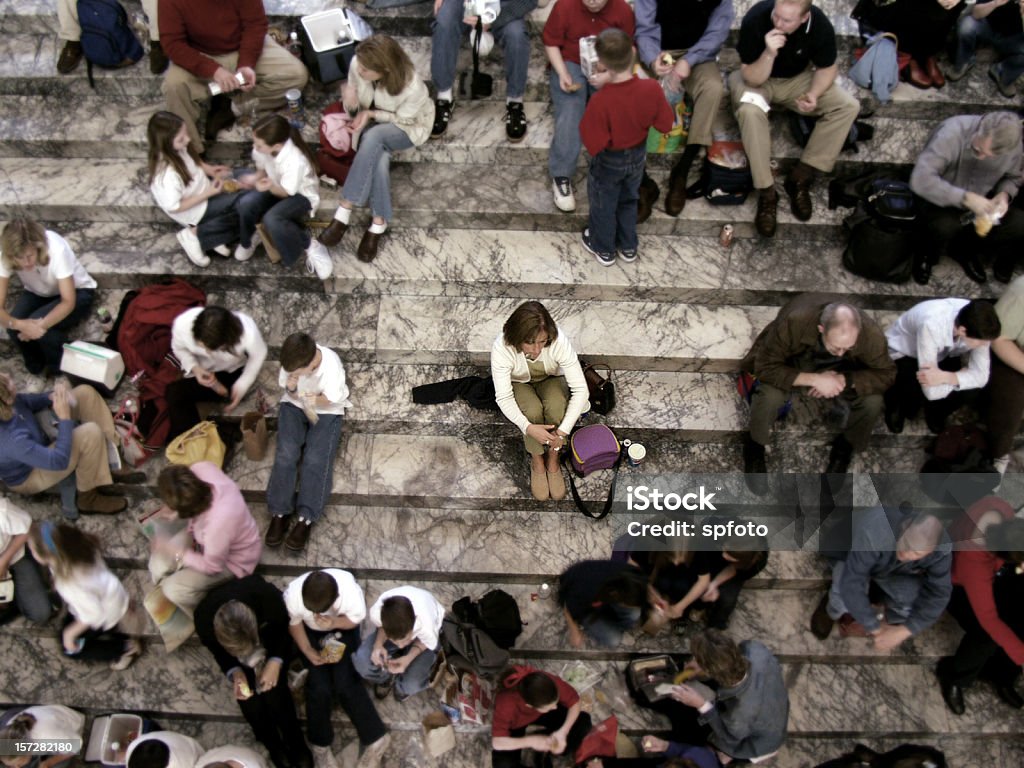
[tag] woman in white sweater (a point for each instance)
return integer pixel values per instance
(393, 110)
(539, 386)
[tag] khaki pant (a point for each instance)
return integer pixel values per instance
(706, 88)
(70, 29)
(543, 402)
(187, 588)
(836, 111)
(88, 447)
(277, 71)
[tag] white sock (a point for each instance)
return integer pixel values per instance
(514, 101)
(379, 229)
(444, 95)
(343, 214)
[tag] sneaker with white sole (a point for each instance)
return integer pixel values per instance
(628, 256)
(223, 250)
(190, 243)
(132, 651)
(244, 254)
(561, 188)
(318, 260)
(605, 259)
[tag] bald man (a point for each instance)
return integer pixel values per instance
(908, 556)
(827, 349)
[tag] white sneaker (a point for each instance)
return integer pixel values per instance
(193, 250)
(561, 188)
(244, 254)
(319, 260)
(223, 250)
(1001, 464)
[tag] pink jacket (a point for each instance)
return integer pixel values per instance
(226, 535)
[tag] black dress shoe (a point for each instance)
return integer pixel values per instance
(839, 457)
(1009, 694)
(973, 268)
(821, 622)
(921, 271)
(895, 420)
(953, 695)
(220, 117)
(298, 535)
(1002, 270)
(367, 250)
(277, 530)
(754, 467)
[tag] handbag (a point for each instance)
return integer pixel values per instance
(129, 438)
(591, 448)
(602, 388)
(201, 443)
(600, 742)
(254, 435)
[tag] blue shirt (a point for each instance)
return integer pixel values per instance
(24, 447)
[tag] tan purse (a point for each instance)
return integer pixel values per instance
(201, 443)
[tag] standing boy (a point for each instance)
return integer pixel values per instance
(309, 428)
(614, 129)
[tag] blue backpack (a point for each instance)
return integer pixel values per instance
(107, 40)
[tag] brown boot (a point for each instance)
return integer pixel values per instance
(649, 193)
(367, 250)
(298, 535)
(333, 234)
(94, 503)
(675, 200)
(932, 68)
(70, 57)
(798, 187)
(767, 206)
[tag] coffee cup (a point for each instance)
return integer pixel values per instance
(635, 454)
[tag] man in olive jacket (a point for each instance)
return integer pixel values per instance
(828, 349)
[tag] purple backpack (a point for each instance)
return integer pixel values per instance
(591, 448)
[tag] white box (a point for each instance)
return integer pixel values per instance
(93, 363)
(109, 730)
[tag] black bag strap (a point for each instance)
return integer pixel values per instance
(600, 367)
(476, 46)
(581, 505)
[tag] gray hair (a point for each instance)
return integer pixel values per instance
(1003, 128)
(839, 313)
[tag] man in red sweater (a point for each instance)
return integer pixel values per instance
(213, 41)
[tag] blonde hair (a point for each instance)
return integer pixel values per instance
(20, 233)
(236, 629)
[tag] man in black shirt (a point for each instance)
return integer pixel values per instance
(997, 23)
(788, 58)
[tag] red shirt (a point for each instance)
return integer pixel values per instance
(193, 30)
(975, 568)
(512, 713)
(570, 20)
(620, 115)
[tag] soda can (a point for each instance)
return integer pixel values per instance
(294, 98)
(725, 238)
(774, 165)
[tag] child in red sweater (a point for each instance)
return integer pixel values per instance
(614, 129)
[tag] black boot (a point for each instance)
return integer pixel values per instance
(754, 467)
(839, 457)
(922, 270)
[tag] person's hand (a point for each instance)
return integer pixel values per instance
(437, 6)
(653, 744)
(684, 694)
(890, 636)
(544, 434)
(31, 329)
(710, 594)
(61, 403)
(978, 205)
(1001, 202)
(69, 639)
(323, 622)
(540, 742)
(314, 657)
(576, 637)
(660, 66)
(362, 119)
(948, 4)
(264, 183)
(828, 385)
(268, 677)
(215, 188)
(292, 383)
(558, 743)
(774, 40)
(204, 377)
(225, 79)
(250, 78)
(807, 103)
(470, 21)
(379, 657)
(566, 83)
(236, 397)
(682, 69)
(399, 665)
(240, 685)
(930, 376)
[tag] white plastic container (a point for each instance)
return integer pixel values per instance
(93, 363)
(108, 731)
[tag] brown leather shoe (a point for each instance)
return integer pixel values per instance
(277, 530)
(850, 627)
(333, 234)
(799, 191)
(932, 68)
(298, 535)
(127, 476)
(675, 200)
(70, 57)
(917, 76)
(367, 250)
(94, 503)
(767, 206)
(649, 194)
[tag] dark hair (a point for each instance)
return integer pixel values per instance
(297, 351)
(72, 547)
(614, 49)
(672, 581)
(151, 753)
(163, 126)
(979, 320)
(538, 690)
(1006, 539)
(628, 587)
(183, 491)
(719, 656)
(275, 129)
(19, 728)
(397, 618)
(319, 591)
(217, 328)
(382, 54)
(529, 319)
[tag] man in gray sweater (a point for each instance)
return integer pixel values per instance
(965, 179)
(908, 556)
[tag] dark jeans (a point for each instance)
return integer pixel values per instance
(907, 396)
(219, 225)
(1004, 397)
(272, 717)
(613, 185)
(549, 723)
(30, 593)
(686, 728)
(311, 447)
(329, 680)
(284, 220)
(717, 614)
(100, 644)
(184, 394)
(940, 231)
(978, 654)
(46, 352)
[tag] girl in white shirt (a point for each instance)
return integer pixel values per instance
(43, 723)
(191, 191)
(102, 624)
(58, 292)
(286, 192)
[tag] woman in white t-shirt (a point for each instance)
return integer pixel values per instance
(42, 723)
(16, 563)
(191, 191)
(57, 295)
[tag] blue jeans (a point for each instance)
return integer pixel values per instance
(416, 677)
(284, 219)
(569, 108)
(900, 595)
(971, 32)
(378, 4)
(613, 185)
(219, 225)
(607, 630)
(449, 30)
(30, 593)
(46, 351)
(369, 178)
(312, 446)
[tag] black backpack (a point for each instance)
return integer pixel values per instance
(496, 613)
(721, 185)
(881, 232)
(470, 649)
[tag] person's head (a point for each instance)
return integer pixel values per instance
(672, 581)
(1006, 539)
(529, 329)
(23, 243)
(839, 326)
(977, 324)
(397, 619)
(997, 133)
(298, 352)
(151, 753)
(62, 547)
(789, 15)
(920, 536)
(594, 6)
(18, 729)
(8, 391)
(183, 492)
(719, 657)
(381, 58)
(319, 591)
(627, 588)
(237, 631)
(537, 690)
(271, 132)
(217, 328)
(614, 50)
(168, 138)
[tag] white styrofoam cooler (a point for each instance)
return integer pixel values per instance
(93, 363)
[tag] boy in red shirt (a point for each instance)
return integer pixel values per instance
(569, 21)
(614, 129)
